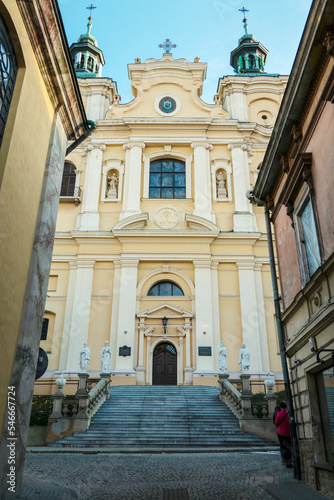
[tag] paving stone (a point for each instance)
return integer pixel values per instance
(200, 476)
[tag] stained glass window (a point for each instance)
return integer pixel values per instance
(165, 288)
(167, 179)
(8, 72)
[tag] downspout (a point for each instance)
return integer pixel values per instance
(280, 334)
(87, 133)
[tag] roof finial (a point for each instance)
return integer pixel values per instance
(89, 25)
(167, 45)
(244, 19)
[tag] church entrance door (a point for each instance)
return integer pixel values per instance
(164, 365)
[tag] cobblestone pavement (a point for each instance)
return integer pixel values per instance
(196, 476)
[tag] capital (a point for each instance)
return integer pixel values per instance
(204, 145)
(237, 145)
(130, 145)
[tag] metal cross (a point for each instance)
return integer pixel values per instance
(244, 11)
(167, 45)
(91, 8)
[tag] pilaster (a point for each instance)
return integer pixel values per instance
(89, 218)
(79, 325)
(114, 311)
(261, 317)
(132, 182)
(203, 197)
(243, 218)
(68, 315)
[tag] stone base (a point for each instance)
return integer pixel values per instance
(188, 375)
(244, 222)
(62, 427)
(140, 370)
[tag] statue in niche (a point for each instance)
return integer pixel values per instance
(112, 184)
(105, 358)
(84, 358)
(221, 181)
(244, 359)
(222, 354)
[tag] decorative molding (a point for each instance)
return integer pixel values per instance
(204, 145)
(167, 217)
(195, 222)
(130, 145)
(138, 221)
(328, 40)
(285, 163)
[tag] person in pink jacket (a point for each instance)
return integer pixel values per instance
(283, 433)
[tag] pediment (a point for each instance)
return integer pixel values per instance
(167, 310)
(137, 221)
(199, 223)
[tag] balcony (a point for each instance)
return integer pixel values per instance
(70, 194)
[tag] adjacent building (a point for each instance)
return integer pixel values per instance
(157, 248)
(296, 182)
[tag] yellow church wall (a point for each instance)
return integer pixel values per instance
(99, 329)
(23, 155)
(260, 105)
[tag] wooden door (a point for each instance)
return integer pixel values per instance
(164, 365)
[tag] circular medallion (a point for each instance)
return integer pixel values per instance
(167, 105)
(167, 217)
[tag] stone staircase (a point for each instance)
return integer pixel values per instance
(163, 417)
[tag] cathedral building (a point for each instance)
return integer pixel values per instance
(157, 248)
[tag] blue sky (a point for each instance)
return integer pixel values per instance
(207, 29)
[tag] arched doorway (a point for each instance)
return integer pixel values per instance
(164, 364)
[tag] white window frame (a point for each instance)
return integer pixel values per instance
(112, 164)
(221, 164)
(163, 154)
(299, 232)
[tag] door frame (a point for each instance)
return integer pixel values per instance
(175, 361)
(177, 344)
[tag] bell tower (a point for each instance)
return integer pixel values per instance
(249, 58)
(86, 56)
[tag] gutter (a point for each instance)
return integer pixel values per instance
(91, 127)
(280, 329)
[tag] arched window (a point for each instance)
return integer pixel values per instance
(165, 288)
(167, 179)
(8, 72)
(68, 182)
(90, 63)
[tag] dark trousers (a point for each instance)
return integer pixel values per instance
(285, 443)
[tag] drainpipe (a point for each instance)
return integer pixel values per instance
(87, 133)
(280, 334)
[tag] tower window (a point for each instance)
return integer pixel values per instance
(165, 288)
(167, 179)
(90, 64)
(45, 326)
(8, 72)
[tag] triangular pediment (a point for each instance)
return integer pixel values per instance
(165, 309)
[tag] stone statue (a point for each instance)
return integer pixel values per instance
(105, 358)
(84, 358)
(244, 359)
(221, 182)
(222, 354)
(112, 186)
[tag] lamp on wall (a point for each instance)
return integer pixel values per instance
(164, 324)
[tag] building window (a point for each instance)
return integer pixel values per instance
(45, 326)
(90, 64)
(307, 239)
(165, 288)
(8, 72)
(167, 179)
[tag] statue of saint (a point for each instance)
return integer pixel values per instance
(112, 185)
(221, 182)
(222, 354)
(84, 358)
(244, 359)
(105, 358)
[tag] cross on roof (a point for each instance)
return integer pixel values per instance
(91, 8)
(244, 11)
(167, 45)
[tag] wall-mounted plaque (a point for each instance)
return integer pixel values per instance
(204, 351)
(125, 351)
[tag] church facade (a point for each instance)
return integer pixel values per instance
(157, 248)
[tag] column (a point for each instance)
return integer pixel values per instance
(79, 325)
(89, 218)
(239, 105)
(126, 334)
(215, 312)
(243, 218)
(180, 361)
(250, 322)
(148, 359)
(114, 311)
(262, 317)
(203, 194)
(204, 319)
(68, 315)
(132, 182)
